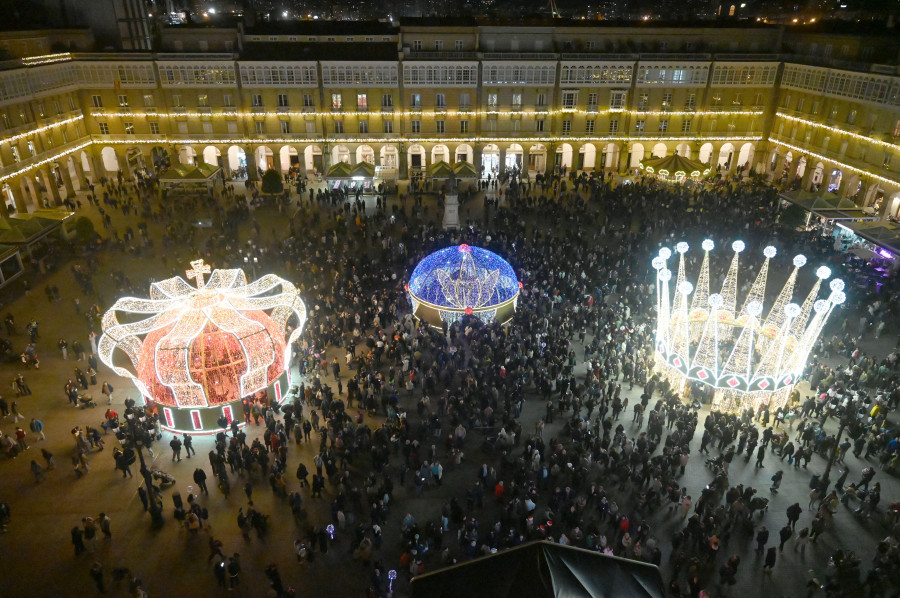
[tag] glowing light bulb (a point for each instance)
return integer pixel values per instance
(737, 246)
(682, 247)
(799, 261)
(837, 285)
(770, 252)
(665, 253)
(686, 288)
(707, 245)
(823, 272)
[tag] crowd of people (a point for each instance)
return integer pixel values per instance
(535, 426)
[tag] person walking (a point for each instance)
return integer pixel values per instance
(785, 534)
(105, 526)
(776, 481)
(771, 556)
(107, 390)
(200, 480)
(793, 514)
(248, 490)
(14, 408)
(37, 426)
(175, 443)
(189, 445)
(802, 541)
(762, 536)
(38, 472)
(96, 574)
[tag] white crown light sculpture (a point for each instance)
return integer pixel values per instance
(747, 358)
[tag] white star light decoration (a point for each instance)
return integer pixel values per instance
(255, 314)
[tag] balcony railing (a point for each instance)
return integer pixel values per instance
(600, 56)
(440, 55)
(519, 56)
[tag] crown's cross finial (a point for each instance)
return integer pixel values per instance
(198, 269)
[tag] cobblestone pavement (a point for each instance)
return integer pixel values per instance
(36, 554)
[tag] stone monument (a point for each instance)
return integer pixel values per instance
(451, 203)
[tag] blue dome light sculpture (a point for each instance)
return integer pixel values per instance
(463, 280)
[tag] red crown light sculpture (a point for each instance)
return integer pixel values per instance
(202, 349)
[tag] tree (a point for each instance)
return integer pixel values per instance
(272, 182)
(793, 216)
(84, 230)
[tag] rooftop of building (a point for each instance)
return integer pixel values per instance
(368, 51)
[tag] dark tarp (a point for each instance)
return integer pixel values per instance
(543, 570)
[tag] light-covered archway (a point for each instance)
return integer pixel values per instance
(514, 155)
(852, 186)
(237, 160)
(159, 156)
(9, 199)
(609, 157)
(893, 206)
(110, 159)
(289, 157)
(705, 153)
(637, 155)
(416, 156)
(464, 153)
(587, 156)
(313, 158)
(659, 150)
(564, 156)
(340, 153)
(440, 153)
(683, 149)
(212, 155)
(86, 164)
(265, 158)
(726, 156)
(801, 167)
(745, 156)
(490, 159)
(834, 180)
(187, 155)
(818, 174)
(365, 153)
(388, 156)
(537, 158)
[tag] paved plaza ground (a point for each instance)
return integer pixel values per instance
(36, 555)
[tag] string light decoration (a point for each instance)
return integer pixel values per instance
(463, 280)
(748, 359)
(205, 347)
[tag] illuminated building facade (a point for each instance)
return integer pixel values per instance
(800, 108)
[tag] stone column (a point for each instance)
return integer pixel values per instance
(79, 171)
(476, 159)
(402, 163)
(525, 162)
(52, 190)
(252, 175)
(807, 175)
(67, 181)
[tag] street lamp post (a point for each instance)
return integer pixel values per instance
(132, 416)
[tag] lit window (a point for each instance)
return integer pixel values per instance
(415, 100)
(664, 125)
(569, 98)
(686, 125)
(639, 125)
(129, 128)
(148, 100)
(123, 101)
(362, 101)
(492, 100)
(154, 128)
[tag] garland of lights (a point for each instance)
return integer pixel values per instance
(226, 314)
(749, 360)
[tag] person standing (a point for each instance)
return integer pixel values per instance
(176, 448)
(760, 454)
(78, 540)
(793, 514)
(107, 390)
(37, 426)
(63, 345)
(14, 408)
(20, 439)
(188, 445)
(248, 490)
(200, 480)
(78, 350)
(776, 481)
